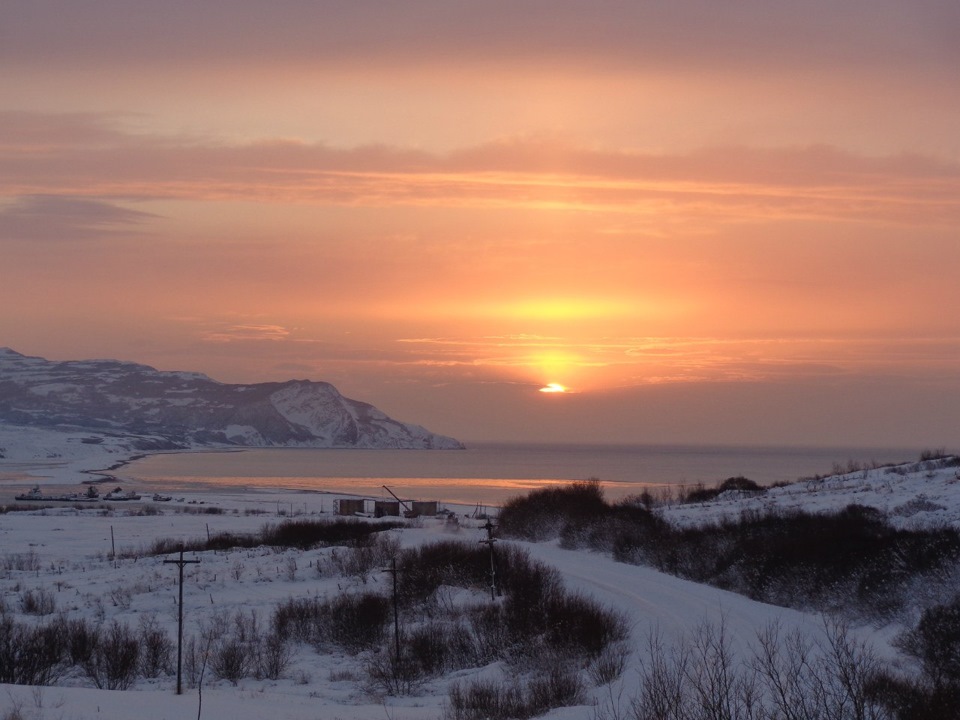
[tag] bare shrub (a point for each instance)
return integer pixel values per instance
(609, 664)
(121, 597)
(236, 571)
(352, 621)
(113, 663)
(935, 642)
(443, 647)
(272, 657)
(230, 659)
(30, 655)
(296, 618)
(542, 514)
(387, 674)
(357, 621)
(156, 656)
(485, 700)
(38, 601)
(558, 686)
(291, 569)
(787, 676)
(662, 692)
(22, 562)
(492, 640)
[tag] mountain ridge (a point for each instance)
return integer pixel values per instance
(171, 410)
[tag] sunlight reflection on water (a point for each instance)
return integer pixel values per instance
(488, 474)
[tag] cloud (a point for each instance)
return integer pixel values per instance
(751, 34)
(246, 333)
(54, 217)
(719, 183)
(632, 361)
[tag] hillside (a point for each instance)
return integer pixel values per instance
(97, 408)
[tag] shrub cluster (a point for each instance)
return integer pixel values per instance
(579, 515)
(557, 685)
(113, 657)
(299, 534)
(852, 559)
(533, 618)
(351, 621)
(740, 484)
(782, 675)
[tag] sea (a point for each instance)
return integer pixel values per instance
(491, 473)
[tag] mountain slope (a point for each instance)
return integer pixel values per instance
(179, 410)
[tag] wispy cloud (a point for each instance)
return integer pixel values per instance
(246, 333)
(633, 361)
(57, 217)
(729, 183)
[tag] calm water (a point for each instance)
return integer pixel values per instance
(490, 473)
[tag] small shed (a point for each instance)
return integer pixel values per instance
(386, 508)
(349, 506)
(427, 508)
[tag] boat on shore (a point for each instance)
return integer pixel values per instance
(36, 495)
(33, 494)
(119, 494)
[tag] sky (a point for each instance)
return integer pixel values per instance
(708, 222)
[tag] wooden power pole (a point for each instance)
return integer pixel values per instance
(180, 563)
(494, 590)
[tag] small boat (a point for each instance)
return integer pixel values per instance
(157, 497)
(118, 494)
(90, 495)
(32, 494)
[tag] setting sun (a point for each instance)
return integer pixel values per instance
(553, 388)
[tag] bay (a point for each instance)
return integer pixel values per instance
(490, 473)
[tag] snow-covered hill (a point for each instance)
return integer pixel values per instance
(924, 493)
(78, 409)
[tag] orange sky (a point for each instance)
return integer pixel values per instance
(710, 223)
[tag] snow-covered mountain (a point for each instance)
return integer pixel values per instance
(113, 402)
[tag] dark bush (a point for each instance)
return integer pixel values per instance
(850, 559)
(935, 642)
(352, 621)
(543, 514)
(113, 663)
(230, 659)
(273, 656)
(578, 514)
(556, 686)
(486, 700)
(908, 699)
(156, 653)
(82, 638)
(305, 534)
(301, 534)
(30, 655)
(421, 570)
(358, 621)
(440, 647)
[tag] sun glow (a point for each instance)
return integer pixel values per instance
(553, 388)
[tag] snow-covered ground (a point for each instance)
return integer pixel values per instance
(923, 493)
(70, 551)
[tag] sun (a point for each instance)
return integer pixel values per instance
(553, 388)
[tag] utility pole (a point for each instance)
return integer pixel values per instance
(396, 611)
(180, 563)
(494, 591)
